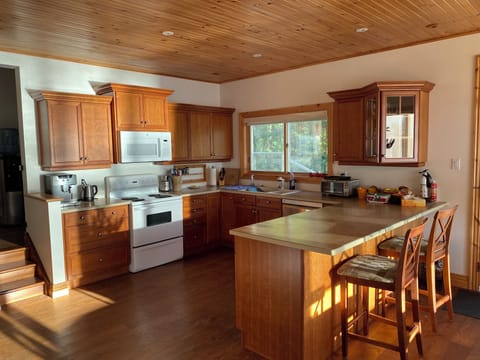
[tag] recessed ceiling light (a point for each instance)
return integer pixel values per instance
(257, 55)
(361, 29)
(168, 33)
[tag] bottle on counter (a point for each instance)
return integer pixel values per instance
(433, 191)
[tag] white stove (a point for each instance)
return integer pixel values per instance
(156, 229)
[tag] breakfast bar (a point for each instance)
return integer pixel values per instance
(287, 305)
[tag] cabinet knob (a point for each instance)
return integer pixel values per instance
(114, 213)
(100, 260)
(82, 218)
(100, 234)
(85, 158)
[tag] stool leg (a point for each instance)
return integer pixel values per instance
(343, 313)
(447, 285)
(401, 323)
(432, 294)
(416, 315)
(365, 308)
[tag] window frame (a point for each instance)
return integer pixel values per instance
(245, 141)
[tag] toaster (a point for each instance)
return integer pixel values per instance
(343, 186)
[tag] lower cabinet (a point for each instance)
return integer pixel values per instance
(245, 209)
(200, 223)
(97, 244)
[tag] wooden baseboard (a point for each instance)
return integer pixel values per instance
(58, 290)
(459, 281)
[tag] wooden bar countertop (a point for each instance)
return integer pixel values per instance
(334, 229)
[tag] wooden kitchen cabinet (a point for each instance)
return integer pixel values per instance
(268, 208)
(194, 224)
(213, 219)
(384, 123)
(227, 218)
(245, 209)
(97, 244)
(208, 136)
(74, 130)
(137, 107)
(201, 223)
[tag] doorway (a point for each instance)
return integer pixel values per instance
(12, 214)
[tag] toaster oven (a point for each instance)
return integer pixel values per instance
(339, 186)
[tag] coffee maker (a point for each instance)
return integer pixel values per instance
(62, 185)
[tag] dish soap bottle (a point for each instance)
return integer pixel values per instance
(291, 182)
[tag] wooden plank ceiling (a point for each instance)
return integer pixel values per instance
(220, 40)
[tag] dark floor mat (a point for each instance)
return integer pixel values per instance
(467, 303)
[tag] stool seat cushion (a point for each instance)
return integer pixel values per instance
(395, 244)
(370, 267)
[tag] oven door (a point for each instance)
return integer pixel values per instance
(157, 222)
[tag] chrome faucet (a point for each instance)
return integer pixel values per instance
(252, 182)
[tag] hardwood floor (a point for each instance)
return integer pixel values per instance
(183, 310)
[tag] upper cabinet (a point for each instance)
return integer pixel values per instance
(137, 107)
(200, 133)
(384, 123)
(74, 130)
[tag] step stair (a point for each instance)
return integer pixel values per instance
(17, 274)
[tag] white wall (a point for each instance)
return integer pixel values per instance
(46, 74)
(450, 64)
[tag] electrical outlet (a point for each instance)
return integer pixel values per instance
(455, 164)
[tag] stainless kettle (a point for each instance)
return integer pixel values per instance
(88, 191)
(165, 183)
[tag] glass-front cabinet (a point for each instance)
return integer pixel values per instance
(395, 124)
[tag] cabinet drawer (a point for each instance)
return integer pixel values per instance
(196, 219)
(244, 199)
(110, 216)
(191, 213)
(76, 241)
(99, 260)
(269, 202)
(195, 201)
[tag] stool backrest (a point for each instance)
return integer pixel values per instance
(407, 270)
(439, 239)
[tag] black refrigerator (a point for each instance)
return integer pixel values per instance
(11, 191)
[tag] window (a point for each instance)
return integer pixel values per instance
(296, 142)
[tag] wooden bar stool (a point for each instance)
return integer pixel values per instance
(433, 249)
(383, 273)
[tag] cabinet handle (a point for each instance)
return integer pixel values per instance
(100, 260)
(81, 157)
(114, 213)
(82, 218)
(100, 234)
(85, 158)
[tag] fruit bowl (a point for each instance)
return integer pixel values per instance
(378, 198)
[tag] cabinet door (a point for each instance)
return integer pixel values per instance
(227, 217)
(372, 128)
(178, 125)
(97, 134)
(399, 140)
(155, 113)
(221, 132)
(268, 208)
(200, 140)
(348, 137)
(213, 219)
(66, 148)
(129, 112)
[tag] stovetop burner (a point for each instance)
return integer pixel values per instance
(159, 196)
(132, 198)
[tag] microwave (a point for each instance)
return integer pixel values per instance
(339, 186)
(145, 146)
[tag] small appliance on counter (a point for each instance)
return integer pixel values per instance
(343, 186)
(64, 186)
(88, 191)
(165, 183)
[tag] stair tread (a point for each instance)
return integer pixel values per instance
(15, 265)
(19, 284)
(7, 245)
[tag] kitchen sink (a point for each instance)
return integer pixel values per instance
(283, 192)
(249, 188)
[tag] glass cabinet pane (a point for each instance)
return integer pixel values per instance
(371, 128)
(400, 127)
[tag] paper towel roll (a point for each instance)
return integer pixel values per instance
(212, 177)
